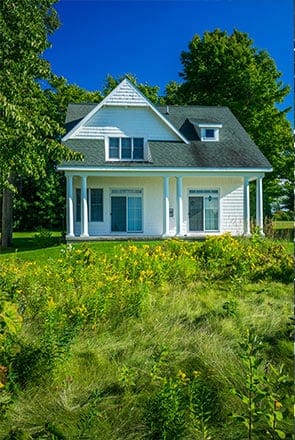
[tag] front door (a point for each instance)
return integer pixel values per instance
(118, 206)
(126, 213)
(195, 213)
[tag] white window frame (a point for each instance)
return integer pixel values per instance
(206, 193)
(129, 192)
(215, 127)
(120, 159)
(78, 205)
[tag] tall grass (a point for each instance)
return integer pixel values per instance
(145, 343)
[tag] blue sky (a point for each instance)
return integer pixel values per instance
(146, 37)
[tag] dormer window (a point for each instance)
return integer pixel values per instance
(209, 132)
(125, 148)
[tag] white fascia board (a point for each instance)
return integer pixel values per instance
(90, 114)
(169, 124)
(208, 125)
(162, 171)
(103, 102)
(82, 122)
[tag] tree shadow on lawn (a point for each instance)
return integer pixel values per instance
(31, 242)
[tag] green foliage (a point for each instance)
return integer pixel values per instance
(166, 411)
(145, 342)
(266, 399)
(40, 202)
(222, 69)
(27, 130)
(29, 134)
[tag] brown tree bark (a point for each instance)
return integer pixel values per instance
(7, 218)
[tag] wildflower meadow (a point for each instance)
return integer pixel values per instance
(165, 340)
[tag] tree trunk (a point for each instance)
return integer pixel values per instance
(7, 218)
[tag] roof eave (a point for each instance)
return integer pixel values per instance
(149, 169)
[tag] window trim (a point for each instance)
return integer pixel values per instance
(209, 126)
(78, 205)
(205, 194)
(120, 159)
(127, 193)
(206, 138)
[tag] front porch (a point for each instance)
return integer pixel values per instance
(155, 207)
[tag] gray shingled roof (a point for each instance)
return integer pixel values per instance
(235, 148)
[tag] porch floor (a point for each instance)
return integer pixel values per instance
(132, 238)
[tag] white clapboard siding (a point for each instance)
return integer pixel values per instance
(133, 122)
(125, 94)
(232, 211)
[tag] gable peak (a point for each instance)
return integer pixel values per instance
(126, 93)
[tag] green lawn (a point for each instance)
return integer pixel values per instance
(31, 247)
(280, 224)
(28, 246)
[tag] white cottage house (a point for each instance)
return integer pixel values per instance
(153, 171)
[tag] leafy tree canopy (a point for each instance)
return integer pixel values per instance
(27, 131)
(61, 93)
(222, 69)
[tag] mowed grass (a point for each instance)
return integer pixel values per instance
(28, 247)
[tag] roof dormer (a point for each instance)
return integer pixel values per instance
(209, 132)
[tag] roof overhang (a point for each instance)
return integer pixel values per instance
(163, 171)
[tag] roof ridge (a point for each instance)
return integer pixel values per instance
(83, 103)
(192, 106)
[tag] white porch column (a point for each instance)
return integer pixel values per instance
(84, 213)
(247, 232)
(179, 218)
(70, 206)
(166, 206)
(259, 205)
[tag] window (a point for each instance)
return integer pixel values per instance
(95, 204)
(126, 148)
(114, 148)
(209, 131)
(211, 213)
(138, 148)
(209, 134)
(126, 210)
(78, 204)
(203, 210)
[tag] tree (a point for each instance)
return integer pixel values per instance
(28, 134)
(41, 202)
(222, 69)
(61, 93)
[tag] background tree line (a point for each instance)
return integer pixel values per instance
(218, 69)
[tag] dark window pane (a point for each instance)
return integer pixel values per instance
(96, 205)
(137, 148)
(126, 148)
(114, 148)
(78, 204)
(210, 133)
